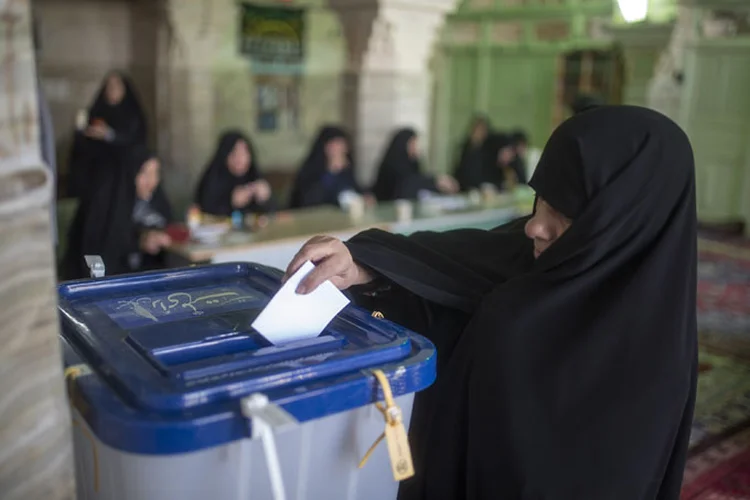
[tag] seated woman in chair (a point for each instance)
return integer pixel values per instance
(123, 220)
(232, 179)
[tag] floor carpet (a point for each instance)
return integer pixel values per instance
(719, 463)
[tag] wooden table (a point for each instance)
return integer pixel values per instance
(276, 244)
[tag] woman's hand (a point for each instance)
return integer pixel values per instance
(261, 191)
(152, 242)
(446, 184)
(99, 131)
(332, 262)
(370, 200)
(241, 196)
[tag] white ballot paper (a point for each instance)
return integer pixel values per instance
(290, 317)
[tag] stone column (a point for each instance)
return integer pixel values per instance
(389, 81)
(35, 446)
(185, 94)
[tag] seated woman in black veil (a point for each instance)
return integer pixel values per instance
(468, 173)
(115, 120)
(232, 180)
(566, 340)
(123, 220)
(520, 142)
(499, 169)
(327, 176)
(400, 176)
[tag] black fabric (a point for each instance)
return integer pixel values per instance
(469, 170)
(468, 173)
(399, 175)
(126, 118)
(105, 222)
(585, 102)
(494, 172)
(572, 376)
(128, 123)
(314, 185)
(214, 194)
(518, 138)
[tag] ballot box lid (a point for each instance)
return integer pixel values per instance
(178, 346)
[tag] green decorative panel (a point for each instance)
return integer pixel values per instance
(501, 59)
(717, 119)
(522, 93)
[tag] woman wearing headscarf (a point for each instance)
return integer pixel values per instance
(468, 173)
(399, 175)
(115, 121)
(566, 340)
(520, 141)
(499, 168)
(232, 180)
(327, 175)
(123, 220)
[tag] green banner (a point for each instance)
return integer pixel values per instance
(273, 38)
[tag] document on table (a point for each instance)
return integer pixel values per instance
(290, 317)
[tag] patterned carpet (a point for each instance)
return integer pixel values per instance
(719, 465)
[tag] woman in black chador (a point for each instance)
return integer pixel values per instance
(123, 220)
(232, 180)
(327, 172)
(470, 169)
(400, 174)
(566, 340)
(115, 122)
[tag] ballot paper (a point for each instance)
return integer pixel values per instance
(291, 317)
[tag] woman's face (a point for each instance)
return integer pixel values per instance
(412, 148)
(115, 91)
(147, 179)
(479, 133)
(239, 159)
(336, 151)
(506, 155)
(546, 226)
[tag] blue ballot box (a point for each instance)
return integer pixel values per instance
(175, 396)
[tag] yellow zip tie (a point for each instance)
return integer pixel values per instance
(74, 371)
(70, 374)
(394, 434)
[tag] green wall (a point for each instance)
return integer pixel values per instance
(503, 60)
(716, 116)
(319, 87)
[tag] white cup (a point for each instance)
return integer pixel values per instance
(356, 207)
(489, 192)
(404, 210)
(82, 119)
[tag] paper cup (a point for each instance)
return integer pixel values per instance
(489, 192)
(404, 210)
(356, 207)
(82, 119)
